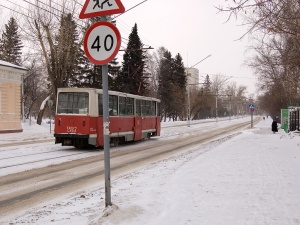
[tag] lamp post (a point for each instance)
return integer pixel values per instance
(188, 90)
(23, 99)
(189, 103)
(217, 94)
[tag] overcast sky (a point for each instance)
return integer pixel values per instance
(192, 28)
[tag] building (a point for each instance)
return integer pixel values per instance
(192, 76)
(10, 97)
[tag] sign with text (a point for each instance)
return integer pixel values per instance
(102, 42)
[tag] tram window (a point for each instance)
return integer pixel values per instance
(157, 109)
(153, 108)
(148, 108)
(122, 106)
(138, 107)
(113, 105)
(73, 103)
(100, 105)
(129, 106)
(143, 110)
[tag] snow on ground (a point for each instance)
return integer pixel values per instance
(31, 132)
(251, 178)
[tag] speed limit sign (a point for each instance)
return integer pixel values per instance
(102, 42)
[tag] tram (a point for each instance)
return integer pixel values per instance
(79, 117)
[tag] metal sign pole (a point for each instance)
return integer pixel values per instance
(102, 42)
(106, 131)
(251, 118)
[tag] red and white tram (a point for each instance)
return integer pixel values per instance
(79, 120)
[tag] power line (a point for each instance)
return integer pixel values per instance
(130, 9)
(52, 9)
(16, 4)
(14, 11)
(56, 9)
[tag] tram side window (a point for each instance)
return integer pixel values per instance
(149, 108)
(146, 108)
(143, 108)
(129, 106)
(122, 106)
(113, 105)
(73, 103)
(100, 105)
(157, 109)
(138, 108)
(153, 109)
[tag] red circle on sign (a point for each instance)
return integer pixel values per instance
(97, 52)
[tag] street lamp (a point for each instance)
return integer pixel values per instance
(187, 71)
(188, 89)
(217, 94)
(189, 104)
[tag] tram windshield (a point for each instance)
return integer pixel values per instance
(73, 103)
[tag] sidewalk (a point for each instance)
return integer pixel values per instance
(254, 178)
(30, 133)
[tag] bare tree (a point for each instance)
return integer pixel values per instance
(267, 16)
(277, 63)
(52, 28)
(235, 95)
(34, 89)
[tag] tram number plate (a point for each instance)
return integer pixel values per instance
(71, 129)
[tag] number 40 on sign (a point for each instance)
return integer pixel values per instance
(102, 42)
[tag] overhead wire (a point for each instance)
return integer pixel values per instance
(131, 8)
(125, 29)
(35, 5)
(60, 11)
(13, 10)
(16, 4)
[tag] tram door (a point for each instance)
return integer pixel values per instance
(138, 119)
(137, 128)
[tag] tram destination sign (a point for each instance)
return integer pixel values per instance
(102, 42)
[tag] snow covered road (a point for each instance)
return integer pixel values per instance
(56, 178)
(252, 178)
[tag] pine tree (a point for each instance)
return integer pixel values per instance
(178, 88)
(206, 85)
(164, 77)
(179, 76)
(10, 43)
(132, 78)
(172, 86)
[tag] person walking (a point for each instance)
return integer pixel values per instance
(274, 126)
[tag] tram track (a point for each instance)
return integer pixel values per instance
(36, 161)
(18, 143)
(32, 154)
(29, 188)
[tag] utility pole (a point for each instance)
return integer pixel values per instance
(23, 99)
(217, 105)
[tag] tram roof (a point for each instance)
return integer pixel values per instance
(123, 94)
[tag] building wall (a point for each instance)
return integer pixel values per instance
(192, 76)
(10, 97)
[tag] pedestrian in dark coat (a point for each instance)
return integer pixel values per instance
(274, 126)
